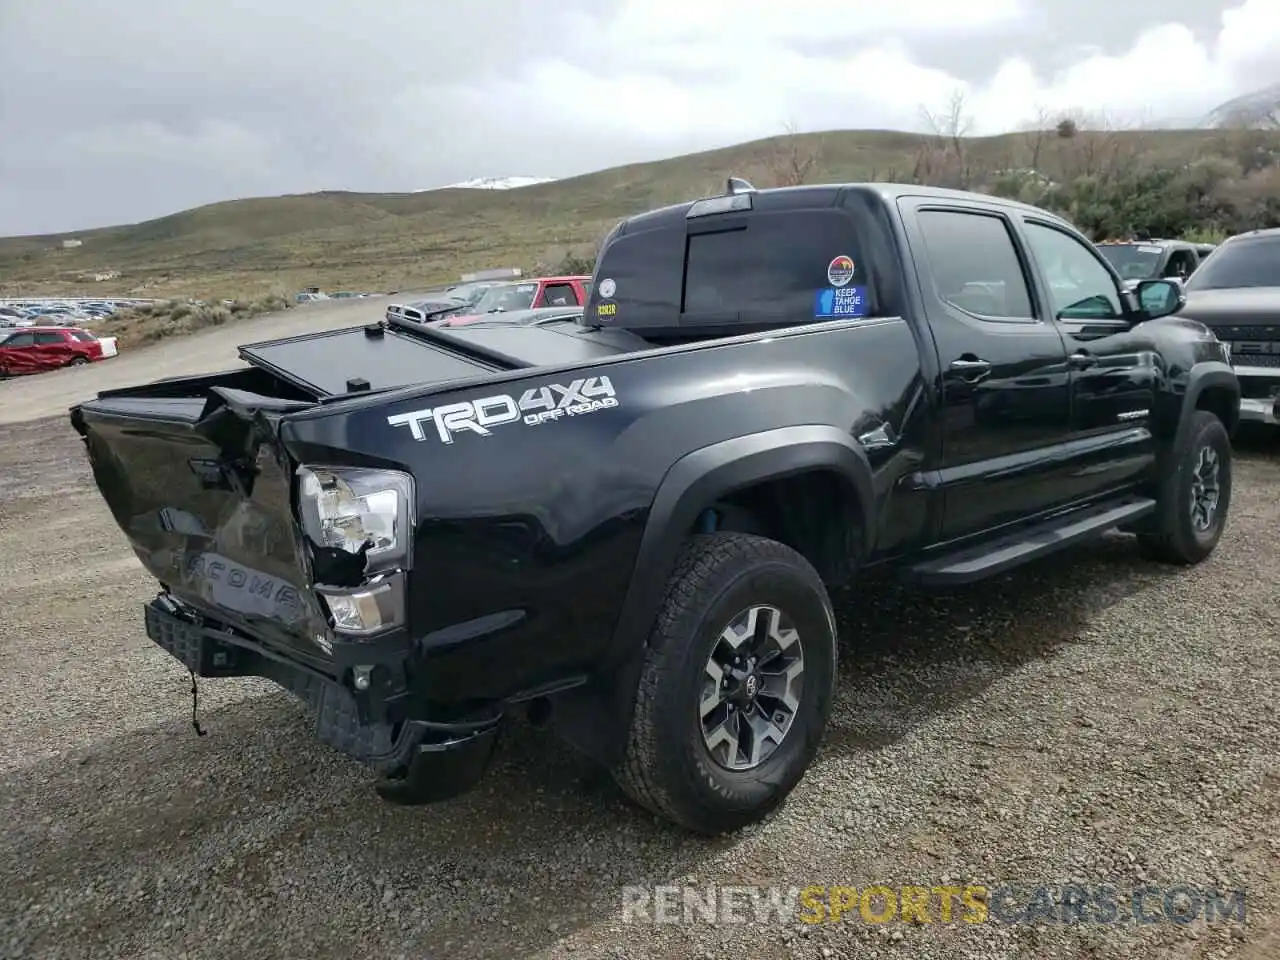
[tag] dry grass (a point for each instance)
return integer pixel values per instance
(173, 318)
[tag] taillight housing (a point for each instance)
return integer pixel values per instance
(368, 514)
(363, 512)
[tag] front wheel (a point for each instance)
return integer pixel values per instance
(1191, 512)
(736, 687)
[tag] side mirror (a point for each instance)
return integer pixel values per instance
(1160, 298)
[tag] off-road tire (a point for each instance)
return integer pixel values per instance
(667, 767)
(1172, 537)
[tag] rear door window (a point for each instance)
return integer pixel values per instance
(974, 265)
(789, 267)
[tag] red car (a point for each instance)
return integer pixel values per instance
(526, 295)
(37, 349)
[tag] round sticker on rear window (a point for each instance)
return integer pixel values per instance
(608, 288)
(840, 271)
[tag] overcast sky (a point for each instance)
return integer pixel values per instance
(115, 111)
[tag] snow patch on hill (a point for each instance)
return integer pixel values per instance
(492, 183)
(1261, 108)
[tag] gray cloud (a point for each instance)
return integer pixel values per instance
(1055, 34)
(138, 108)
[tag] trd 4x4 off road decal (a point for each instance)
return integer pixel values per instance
(535, 406)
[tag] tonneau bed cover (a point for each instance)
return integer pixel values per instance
(386, 356)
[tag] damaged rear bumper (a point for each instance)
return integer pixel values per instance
(418, 760)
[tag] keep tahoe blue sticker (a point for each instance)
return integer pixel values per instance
(838, 302)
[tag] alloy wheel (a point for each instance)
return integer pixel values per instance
(1206, 489)
(751, 688)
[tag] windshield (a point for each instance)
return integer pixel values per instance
(1246, 263)
(1133, 261)
(468, 292)
(516, 296)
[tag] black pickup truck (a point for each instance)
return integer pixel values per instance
(626, 526)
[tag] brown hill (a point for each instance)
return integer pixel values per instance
(358, 241)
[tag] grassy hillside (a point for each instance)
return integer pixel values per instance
(399, 241)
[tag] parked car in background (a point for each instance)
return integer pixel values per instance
(1138, 260)
(426, 309)
(1237, 295)
(37, 349)
(526, 295)
(460, 298)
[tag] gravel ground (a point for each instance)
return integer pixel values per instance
(1094, 719)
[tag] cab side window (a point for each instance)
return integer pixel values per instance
(639, 280)
(1080, 287)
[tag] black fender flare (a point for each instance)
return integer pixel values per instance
(596, 717)
(701, 477)
(1209, 374)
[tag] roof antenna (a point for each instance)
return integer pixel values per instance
(738, 185)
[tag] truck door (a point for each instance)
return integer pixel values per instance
(52, 349)
(18, 354)
(1002, 368)
(1113, 366)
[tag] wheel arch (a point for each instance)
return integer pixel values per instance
(596, 717)
(1211, 386)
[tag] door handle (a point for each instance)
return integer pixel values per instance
(971, 367)
(1081, 360)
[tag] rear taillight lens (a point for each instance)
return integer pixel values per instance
(360, 511)
(369, 514)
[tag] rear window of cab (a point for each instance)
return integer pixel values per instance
(763, 267)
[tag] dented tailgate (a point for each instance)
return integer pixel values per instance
(203, 493)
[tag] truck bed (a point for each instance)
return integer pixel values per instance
(378, 357)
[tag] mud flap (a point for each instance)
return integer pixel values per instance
(441, 771)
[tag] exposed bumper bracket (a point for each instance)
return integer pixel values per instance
(390, 749)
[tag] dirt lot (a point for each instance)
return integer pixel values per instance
(1094, 720)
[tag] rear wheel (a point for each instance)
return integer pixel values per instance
(736, 687)
(1192, 507)
(78, 362)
